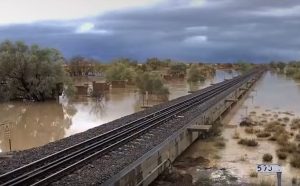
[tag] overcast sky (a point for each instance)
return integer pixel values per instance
(190, 30)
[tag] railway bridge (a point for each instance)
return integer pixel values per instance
(132, 150)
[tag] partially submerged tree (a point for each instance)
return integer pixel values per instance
(157, 64)
(80, 66)
(31, 72)
(151, 83)
(120, 72)
(178, 69)
(243, 66)
(195, 74)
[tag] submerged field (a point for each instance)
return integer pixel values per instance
(36, 124)
(270, 134)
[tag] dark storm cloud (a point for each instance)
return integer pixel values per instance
(221, 30)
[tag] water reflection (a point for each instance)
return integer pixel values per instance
(276, 91)
(32, 124)
(35, 124)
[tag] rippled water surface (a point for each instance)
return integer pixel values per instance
(34, 124)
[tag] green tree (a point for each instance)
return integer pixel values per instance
(120, 72)
(281, 66)
(195, 74)
(31, 72)
(126, 61)
(80, 66)
(178, 69)
(151, 83)
(244, 67)
(154, 63)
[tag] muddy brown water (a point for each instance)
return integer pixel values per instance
(30, 125)
(274, 96)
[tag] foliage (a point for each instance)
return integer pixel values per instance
(282, 155)
(291, 69)
(248, 142)
(249, 130)
(253, 174)
(281, 66)
(156, 64)
(244, 67)
(295, 161)
(120, 72)
(126, 61)
(100, 68)
(267, 157)
(80, 66)
(194, 74)
(178, 69)
(30, 72)
(278, 65)
(151, 83)
(263, 134)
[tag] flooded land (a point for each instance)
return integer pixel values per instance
(27, 125)
(269, 117)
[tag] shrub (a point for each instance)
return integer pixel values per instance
(248, 142)
(151, 83)
(273, 138)
(246, 122)
(195, 74)
(295, 124)
(295, 161)
(294, 180)
(257, 131)
(297, 137)
(263, 134)
(282, 155)
(253, 174)
(273, 126)
(249, 130)
(264, 121)
(267, 157)
(286, 119)
(289, 148)
(283, 138)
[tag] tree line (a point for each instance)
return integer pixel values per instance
(33, 73)
(290, 69)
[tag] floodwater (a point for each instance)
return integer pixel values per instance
(273, 97)
(27, 125)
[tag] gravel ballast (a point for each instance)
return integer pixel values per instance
(106, 166)
(21, 158)
(100, 170)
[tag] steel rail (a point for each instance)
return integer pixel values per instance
(58, 154)
(106, 143)
(82, 162)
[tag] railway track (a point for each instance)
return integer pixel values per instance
(62, 163)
